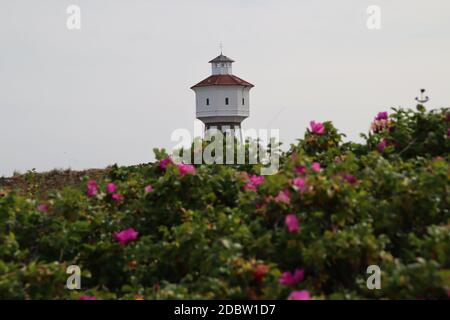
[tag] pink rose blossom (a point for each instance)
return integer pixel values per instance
(256, 180)
(382, 145)
(165, 162)
(300, 170)
(283, 197)
(92, 188)
(291, 223)
(186, 169)
(111, 188)
(126, 236)
(117, 197)
(260, 271)
(315, 166)
(381, 122)
(317, 128)
(148, 189)
(291, 279)
(299, 295)
(42, 208)
(253, 181)
(299, 184)
(381, 116)
(249, 186)
(350, 179)
(88, 298)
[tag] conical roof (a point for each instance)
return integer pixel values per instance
(221, 58)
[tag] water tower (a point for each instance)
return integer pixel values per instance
(222, 99)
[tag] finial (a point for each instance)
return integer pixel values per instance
(221, 48)
(422, 99)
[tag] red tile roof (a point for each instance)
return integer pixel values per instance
(223, 80)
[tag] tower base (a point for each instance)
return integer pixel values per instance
(226, 128)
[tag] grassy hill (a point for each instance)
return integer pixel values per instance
(41, 184)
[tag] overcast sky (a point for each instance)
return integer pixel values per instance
(117, 88)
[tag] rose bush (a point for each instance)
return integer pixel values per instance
(168, 231)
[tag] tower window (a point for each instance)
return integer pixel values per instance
(227, 101)
(207, 101)
(243, 101)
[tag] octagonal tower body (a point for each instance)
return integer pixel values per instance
(222, 100)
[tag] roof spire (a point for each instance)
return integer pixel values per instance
(221, 48)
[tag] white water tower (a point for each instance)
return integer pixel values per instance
(222, 100)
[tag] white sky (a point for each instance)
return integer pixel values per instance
(117, 88)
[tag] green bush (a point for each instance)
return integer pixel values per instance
(217, 232)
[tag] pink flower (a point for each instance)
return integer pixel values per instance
(148, 189)
(88, 298)
(92, 188)
(299, 184)
(317, 128)
(42, 208)
(381, 123)
(350, 179)
(300, 170)
(283, 197)
(111, 188)
(381, 116)
(186, 169)
(382, 145)
(256, 180)
(315, 166)
(291, 223)
(126, 236)
(291, 279)
(165, 162)
(117, 197)
(249, 186)
(260, 271)
(253, 181)
(299, 295)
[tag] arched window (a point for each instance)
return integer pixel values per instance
(207, 101)
(227, 101)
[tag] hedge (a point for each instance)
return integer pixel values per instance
(176, 231)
